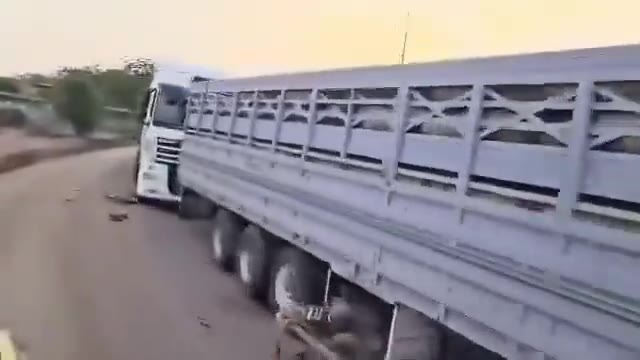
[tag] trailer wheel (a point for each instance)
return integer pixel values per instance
(456, 346)
(252, 261)
(224, 237)
(296, 278)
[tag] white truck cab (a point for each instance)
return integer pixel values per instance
(162, 114)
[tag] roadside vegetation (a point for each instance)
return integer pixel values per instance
(9, 85)
(88, 98)
(78, 101)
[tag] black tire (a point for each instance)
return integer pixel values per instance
(193, 206)
(422, 338)
(224, 238)
(252, 261)
(136, 170)
(187, 208)
(457, 346)
(304, 281)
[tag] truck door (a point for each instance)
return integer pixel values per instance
(146, 115)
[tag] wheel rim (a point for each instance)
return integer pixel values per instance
(244, 264)
(217, 244)
(282, 286)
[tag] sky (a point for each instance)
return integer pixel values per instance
(249, 37)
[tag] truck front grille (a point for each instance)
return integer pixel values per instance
(168, 151)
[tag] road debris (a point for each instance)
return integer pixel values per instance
(73, 196)
(120, 199)
(118, 216)
(305, 333)
(203, 322)
(319, 333)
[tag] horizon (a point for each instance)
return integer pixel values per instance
(253, 37)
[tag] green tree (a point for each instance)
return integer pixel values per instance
(77, 100)
(9, 85)
(120, 88)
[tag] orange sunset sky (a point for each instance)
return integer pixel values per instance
(246, 37)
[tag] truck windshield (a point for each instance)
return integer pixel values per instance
(170, 108)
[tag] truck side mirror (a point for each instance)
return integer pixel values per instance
(142, 114)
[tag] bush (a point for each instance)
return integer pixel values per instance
(76, 99)
(9, 85)
(120, 89)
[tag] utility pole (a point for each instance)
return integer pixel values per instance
(404, 40)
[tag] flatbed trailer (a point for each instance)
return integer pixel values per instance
(497, 199)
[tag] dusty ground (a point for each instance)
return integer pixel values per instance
(76, 286)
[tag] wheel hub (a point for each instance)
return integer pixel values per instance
(282, 286)
(245, 274)
(217, 244)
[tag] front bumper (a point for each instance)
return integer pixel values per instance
(155, 182)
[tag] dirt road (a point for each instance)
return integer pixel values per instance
(76, 286)
(14, 140)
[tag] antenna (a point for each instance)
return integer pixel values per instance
(404, 40)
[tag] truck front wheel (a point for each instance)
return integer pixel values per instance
(136, 170)
(187, 207)
(193, 206)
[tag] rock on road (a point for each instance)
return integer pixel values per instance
(76, 286)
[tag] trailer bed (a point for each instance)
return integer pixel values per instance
(497, 196)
